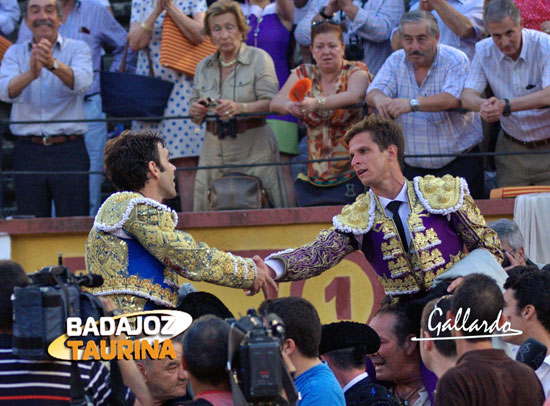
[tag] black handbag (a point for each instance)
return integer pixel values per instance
(237, 191)
(129, 95)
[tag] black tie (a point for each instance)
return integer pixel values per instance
(394, 208)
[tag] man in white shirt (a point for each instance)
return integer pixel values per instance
(514, 63)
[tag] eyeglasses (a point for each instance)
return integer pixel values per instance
(321, 22)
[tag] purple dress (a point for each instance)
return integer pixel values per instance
(268, 33)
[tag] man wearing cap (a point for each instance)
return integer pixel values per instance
(344, 347)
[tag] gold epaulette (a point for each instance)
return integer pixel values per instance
(358, 217)
(116, 210)
(441, 195)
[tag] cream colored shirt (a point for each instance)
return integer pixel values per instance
(253, 78)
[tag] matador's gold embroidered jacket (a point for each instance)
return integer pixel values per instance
(443, 219)
(135, 247)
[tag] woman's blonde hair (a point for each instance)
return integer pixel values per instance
(222, 7)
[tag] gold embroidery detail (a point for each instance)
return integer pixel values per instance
(391, 248)
(441, 193)
(398, 266)
(356, 215)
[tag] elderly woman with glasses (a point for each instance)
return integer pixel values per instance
(236, 79)
(337, 84)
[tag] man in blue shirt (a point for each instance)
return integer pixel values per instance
(314, 380)
(45, 79)
(89, 21)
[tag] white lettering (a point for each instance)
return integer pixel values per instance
(461, 324)
(167, 330)
(74, 326)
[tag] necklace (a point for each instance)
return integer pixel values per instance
(405, 401)
(258, 23)
(230, 63)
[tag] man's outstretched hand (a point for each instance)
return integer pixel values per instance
(264, 278)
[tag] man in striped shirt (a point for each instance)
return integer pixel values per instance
(418, 86)
(514, 63)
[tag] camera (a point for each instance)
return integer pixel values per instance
(355, 50)
(257, 370)
(40, 310)
(226, 128)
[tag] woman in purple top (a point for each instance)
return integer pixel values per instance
(271, 25)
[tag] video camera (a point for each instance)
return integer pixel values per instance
(258, 373)
(40, 310)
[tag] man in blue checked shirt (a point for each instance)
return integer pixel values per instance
(89, 21)
(45, 79)
(417, 86)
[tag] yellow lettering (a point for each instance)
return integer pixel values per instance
(124, 349)
(108, 352)
(90, 352)
(167, 350)
(148, 350)
(74, 345)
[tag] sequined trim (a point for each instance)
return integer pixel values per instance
(131, 204)
(441, 195)
(352, 217)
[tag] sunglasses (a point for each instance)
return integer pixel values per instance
(321, 22)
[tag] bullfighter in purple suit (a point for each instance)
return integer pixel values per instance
(410, 231)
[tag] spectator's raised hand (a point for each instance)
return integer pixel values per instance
(332, 7)
(35, 64)
(426, 5)
(44, 52)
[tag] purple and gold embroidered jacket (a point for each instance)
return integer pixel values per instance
(443, 221)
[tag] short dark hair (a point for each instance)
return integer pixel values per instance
(481, 294)
(531, 287)
(11, 275)
(301, 322)
(445, 347)
(348, 358)
(127, 158)
(419, 16)
(58, 7)
(383, 132)
(205, 350)
(324, 26)
(404, 325)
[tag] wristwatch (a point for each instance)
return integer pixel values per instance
(55, 65)
(415, 106)
(325, 16)
(507, 110)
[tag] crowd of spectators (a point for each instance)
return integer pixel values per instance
(435, 72)
(395, 359)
